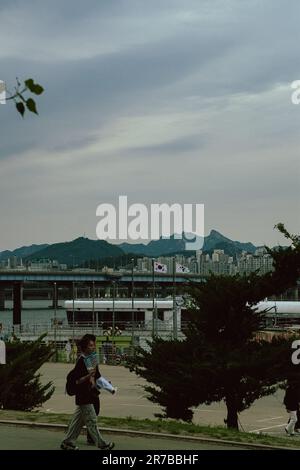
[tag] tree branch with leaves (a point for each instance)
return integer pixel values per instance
(20, 95)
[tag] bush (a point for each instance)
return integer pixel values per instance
(20, 386)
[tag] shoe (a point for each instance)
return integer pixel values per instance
(68, 446)
(108, 446)
(289, 433)
(115, 389)
(297, 430)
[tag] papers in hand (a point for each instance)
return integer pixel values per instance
(105, 384)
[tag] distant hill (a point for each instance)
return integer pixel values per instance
(82, 250)
(22, 252)
(155, 247)
(165, 247)
(216, 241)
(77, 251)
(137, 248)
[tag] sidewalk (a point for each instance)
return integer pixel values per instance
(24, 438)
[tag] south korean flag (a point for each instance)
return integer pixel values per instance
(181, 269)
(160, 268)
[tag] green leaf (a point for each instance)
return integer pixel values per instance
(20, 107)
(37, 89)
(29, 83)
(31, 106)
(34, 87)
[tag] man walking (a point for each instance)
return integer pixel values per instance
(291, 401)
(85, 399)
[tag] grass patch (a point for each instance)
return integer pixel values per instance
(159, 426)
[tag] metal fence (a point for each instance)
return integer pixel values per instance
(77, 328)
(114, 346)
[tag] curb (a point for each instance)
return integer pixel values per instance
(128, 432)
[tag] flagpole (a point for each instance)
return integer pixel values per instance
(153, 300)
(174, 300)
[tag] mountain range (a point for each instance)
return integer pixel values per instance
(214, 241)
(80, 250)
(21, 252)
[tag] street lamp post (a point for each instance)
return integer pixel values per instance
(174, 300)
(93, 320)
(113, 313)
(55, 320)
(153, 302)
(73, 310)
(132, 298)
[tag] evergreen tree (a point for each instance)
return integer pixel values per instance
(20, 386)
(220, 358)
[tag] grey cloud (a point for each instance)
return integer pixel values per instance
(89, 92)
(170, 148)
(197, 63)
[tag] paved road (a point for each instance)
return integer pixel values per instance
(267, 415)
(24, 438)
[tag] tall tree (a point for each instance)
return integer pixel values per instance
(220, 358)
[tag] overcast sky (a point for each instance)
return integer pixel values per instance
(163, 101)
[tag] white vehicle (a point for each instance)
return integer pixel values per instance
(105, 312)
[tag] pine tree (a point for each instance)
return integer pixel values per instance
(220, 358)
(20, 386)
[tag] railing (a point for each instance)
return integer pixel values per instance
(70, 330)
(112, 350)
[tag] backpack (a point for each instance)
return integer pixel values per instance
(71, 383)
